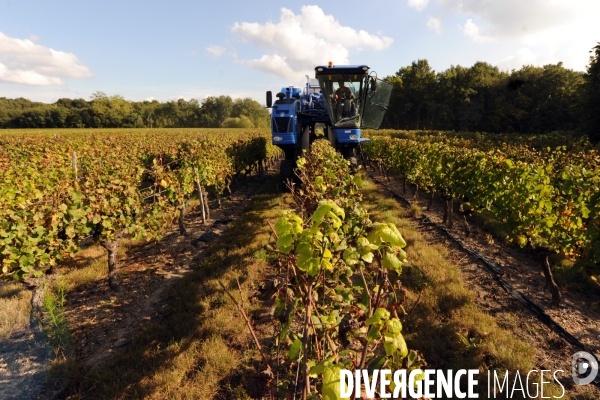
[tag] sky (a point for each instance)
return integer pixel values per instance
(144, 50)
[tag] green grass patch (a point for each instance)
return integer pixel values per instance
(446, 324)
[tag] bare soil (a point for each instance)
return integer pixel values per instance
(104, 322)
(524, 272)
(24, 358)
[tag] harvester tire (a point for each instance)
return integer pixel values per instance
(286, 174)
(306, 140)
(353, 164)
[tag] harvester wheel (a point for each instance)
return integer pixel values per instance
(306, 139)
(353, 164)
(286, 174)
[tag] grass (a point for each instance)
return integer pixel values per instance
(415, 210)
(15, 311)
(446, 325)
(88, 266)
(15, 307)
(55, 323)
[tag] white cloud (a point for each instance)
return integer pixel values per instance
(418, 5)
(297, 42)
(435, 24)
(515, 18)
(555, 30)
(272, 64)
(215, 51)
(523, 56)
(26, 77)
(24, 62)
(471, 30)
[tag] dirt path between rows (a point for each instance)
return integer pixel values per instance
(24, 358)
(104, 322)
(523, 272)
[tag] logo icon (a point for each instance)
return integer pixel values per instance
(585, 368)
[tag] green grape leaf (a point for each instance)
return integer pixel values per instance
(379, 316)
(332, 384)
(368, 257)
(285, 243)
(335, 221)
(320, 212)
(394, 325)
(390, 261)
(305, 249)
(317, 369)
(294, 350)
(401, 255)
(306, 262)
(391, 235)
(394, 343)
(377, 363)
(373, 334)
(351, 256)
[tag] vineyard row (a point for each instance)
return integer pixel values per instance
(547, 199)
(57, 191)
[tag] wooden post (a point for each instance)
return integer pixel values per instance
(206, 203)
(550, 283)
(74, 163)
(114, 279)
(430, 200)
(181, 220)
(200, 195)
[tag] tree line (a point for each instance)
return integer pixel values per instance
(103, 111)
(479, 98)
(483, 98)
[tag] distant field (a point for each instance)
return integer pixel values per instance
(159, 131)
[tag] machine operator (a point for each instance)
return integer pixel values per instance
(344, 102)
(343, 92)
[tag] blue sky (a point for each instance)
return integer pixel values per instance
(192, 49)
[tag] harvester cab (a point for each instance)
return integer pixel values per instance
(342, 99)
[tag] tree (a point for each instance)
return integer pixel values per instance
(418, 87)
(591, 96)
(214, 111)
(454, 94)
(237, 122)
(253, 110)
(395, 117)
